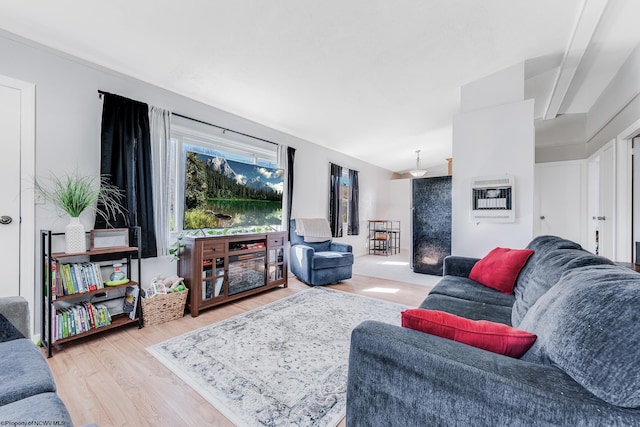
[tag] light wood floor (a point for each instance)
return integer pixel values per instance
(109, 379)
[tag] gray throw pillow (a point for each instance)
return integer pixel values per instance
(588, 326)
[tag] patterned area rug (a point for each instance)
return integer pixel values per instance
(284, 364)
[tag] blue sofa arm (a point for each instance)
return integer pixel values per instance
(458, 265)
(341, 247)
(403, 377)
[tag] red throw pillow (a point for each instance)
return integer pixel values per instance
(490, 336)
(499, 269)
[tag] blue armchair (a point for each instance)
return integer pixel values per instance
(319, 263)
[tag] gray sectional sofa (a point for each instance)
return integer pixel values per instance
(27, 392)
(583, 369)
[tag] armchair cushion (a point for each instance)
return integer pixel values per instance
(340, 247)
(331, 259)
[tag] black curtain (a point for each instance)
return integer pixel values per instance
(335, 220)
(354, 203)
(126, 161)
(291, 155)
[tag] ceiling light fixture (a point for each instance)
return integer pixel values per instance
(418, 171)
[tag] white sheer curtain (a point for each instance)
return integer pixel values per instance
(159, 120)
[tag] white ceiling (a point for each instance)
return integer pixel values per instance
(375, 79)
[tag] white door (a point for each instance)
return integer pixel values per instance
(605, 218)
(17, 234)
(561, 200)
(10, 179)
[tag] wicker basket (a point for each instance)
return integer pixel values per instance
(163, 308)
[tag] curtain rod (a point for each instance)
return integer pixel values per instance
(223, 128)
(101, 92)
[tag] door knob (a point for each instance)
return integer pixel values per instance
(4, 220)
(542, 217)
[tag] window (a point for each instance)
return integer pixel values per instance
(223, 182)
(344, 199)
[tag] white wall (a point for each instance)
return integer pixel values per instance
(503, 87)
(311, 189)
(494, 140)
(399, 209)
(604, 120)
(68, 115)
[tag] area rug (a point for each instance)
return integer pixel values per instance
(283, 364)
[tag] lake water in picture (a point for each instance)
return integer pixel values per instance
(246, 213)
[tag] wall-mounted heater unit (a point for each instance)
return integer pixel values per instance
(492, 199)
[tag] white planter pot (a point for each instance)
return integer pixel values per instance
(75, 240)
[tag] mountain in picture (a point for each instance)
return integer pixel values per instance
(236, 180)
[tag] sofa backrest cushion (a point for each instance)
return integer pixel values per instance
(546, 272)
(587, 325)
(540, 246)
(299, 240)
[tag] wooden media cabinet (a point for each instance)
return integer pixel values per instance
(219, 269)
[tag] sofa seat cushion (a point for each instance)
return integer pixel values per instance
(470, 309)
(35, 409)
(494, 337)
(24, 371)
(587, 325)
(330, 259)
(499, 269)
(465, 288)
(546, 273)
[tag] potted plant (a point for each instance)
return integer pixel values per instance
(73, 194)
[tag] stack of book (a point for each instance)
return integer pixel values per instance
(75, 278)
(78, 318)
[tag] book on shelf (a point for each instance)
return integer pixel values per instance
(76, 278)
(131, 301)
(74, 319)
